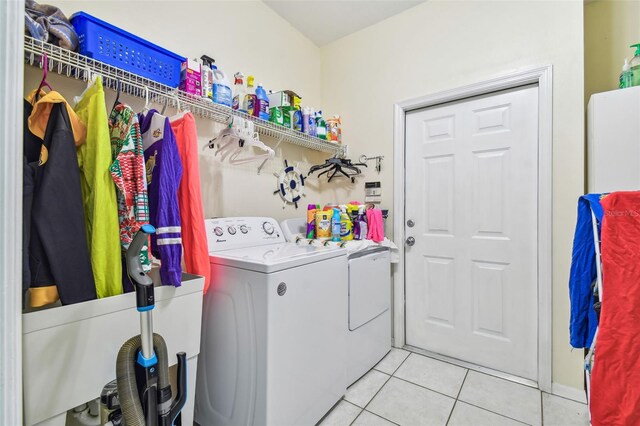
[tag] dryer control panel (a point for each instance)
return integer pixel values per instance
(228, 233)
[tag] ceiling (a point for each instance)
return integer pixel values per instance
(324, 21)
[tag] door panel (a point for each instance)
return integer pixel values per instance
(471, 277)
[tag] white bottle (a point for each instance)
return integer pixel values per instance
(239, 92)
(221, 88)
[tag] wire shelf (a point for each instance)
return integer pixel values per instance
(80, 67)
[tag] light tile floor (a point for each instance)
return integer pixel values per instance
(409, 389)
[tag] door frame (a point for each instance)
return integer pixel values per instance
(11, 84)
(543, 77)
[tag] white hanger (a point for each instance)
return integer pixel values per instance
(237, 139)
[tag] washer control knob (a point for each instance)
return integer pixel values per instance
(231, 230)
(268, 228)
(218, 231)
(244, 229)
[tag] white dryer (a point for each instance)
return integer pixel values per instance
(369, 300)
(273, 344)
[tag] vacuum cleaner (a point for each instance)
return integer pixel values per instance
(142, 367)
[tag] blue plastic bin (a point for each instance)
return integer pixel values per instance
(106, 43)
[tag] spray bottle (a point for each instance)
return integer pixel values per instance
(360, 227)
(239, 92)
(249, 103)
(346, 226)
(321, 126)
(335, 225)
(634, 65)
(207, 76)
(626, 77)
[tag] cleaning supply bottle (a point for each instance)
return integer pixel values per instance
(335, 225)
(221, 88)
(626, 76)
(207, 76)
(249, 103)
(346, 226)
(311, 220)
(312, 123)
(306, 113)
(360, 226)
(239, 92)
(634, 65)
(321, 126)
(262, 103)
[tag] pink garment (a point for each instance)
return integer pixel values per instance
(194, 236)
(375, 225)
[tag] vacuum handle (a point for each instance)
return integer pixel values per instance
(181, 393)
(142, 282)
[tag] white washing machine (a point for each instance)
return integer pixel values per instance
(273, 344)
(369, 301)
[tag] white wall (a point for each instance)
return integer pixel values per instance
(242, 36)
(441, 45)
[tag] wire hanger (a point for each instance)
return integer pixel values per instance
(117, 101)
(334, 167)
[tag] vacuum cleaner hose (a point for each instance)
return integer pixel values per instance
(126, 377)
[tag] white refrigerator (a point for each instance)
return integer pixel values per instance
(613, 141)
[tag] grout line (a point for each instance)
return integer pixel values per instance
(493, 412)
(400, 365)
(451, 412)
(541, 409)
(424, 387)
(565, 398)
(462, 385)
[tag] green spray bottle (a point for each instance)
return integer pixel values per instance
(635, 66)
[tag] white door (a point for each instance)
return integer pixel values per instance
(472, 194)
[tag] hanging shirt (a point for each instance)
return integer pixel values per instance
(128, 173)
(584, 320)
(164, 171)
(57, 252)
(98, 192)
(615, 394)
(194, 236)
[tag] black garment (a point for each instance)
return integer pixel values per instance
(54, 225)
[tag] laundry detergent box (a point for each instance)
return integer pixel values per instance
(284, 98)
(191, 77)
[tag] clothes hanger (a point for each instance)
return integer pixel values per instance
(43, 82)
(117, 101)
(334, 167)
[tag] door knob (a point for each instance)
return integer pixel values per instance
(410, 241)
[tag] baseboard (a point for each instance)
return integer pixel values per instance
(569, 392)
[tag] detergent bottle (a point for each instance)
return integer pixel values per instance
(335, 225)
(249, 102)
(239, 92)
(634, 64)
(360, 226)
(321, 126)
(221, 88)
(346, 226)
(261, 109)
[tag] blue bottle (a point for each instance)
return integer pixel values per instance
(262, 103)
(335, 225)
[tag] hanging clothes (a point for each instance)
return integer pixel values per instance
(584, 320)
(57, 252)
(164, 171)
(615, 394)
(128, 173)
(194, 236)
(98, 192)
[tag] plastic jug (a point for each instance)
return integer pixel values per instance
(261, 109)
(221, 88)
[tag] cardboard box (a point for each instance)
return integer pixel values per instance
(284, 98)
(191, 77)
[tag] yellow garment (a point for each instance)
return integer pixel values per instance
(40, 116)
(42, 296)
(99, 193)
